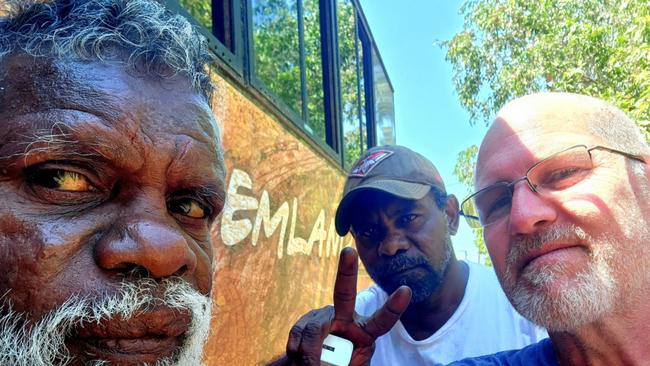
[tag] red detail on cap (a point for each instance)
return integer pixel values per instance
(365, 165)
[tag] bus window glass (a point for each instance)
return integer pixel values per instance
(219, 19)
(201, 10)
(384, 109)
(351, 79)
(315, 121)
(277, 56)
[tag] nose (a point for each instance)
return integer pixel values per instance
(393, 242)
(529, 210)
(157, 248)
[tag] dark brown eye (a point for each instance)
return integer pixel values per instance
(365, 232)
(62, 180)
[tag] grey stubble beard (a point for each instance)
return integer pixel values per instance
(579, 300)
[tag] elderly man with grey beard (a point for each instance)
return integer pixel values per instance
(563, 196)
(111, 174)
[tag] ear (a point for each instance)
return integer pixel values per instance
(646, 166)
(451, 210)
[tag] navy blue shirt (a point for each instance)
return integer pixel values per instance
(538, 354)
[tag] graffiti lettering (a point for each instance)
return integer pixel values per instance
(235, 230)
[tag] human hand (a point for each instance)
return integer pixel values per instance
(307, 335)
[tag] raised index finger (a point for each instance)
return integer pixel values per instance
(345, 286)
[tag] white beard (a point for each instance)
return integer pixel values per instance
(583, 299)
(43, 343)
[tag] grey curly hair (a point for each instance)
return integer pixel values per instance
(141, 34)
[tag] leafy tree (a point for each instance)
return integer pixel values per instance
(275, 36)
(509, 48)
(314, 68)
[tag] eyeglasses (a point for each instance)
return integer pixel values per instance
(554, 173)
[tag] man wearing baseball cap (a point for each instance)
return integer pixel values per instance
(395, 205)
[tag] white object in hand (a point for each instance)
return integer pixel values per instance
(336, 351)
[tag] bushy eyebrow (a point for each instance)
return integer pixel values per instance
(63, 141)
(53, 141)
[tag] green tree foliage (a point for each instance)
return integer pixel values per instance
(314, 68)
(277, 61)
(464, 171)
(509, 48)
(277, 57)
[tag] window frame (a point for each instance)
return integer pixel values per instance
(232, 61)
(390, 85)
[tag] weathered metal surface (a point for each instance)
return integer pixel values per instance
(276, 248)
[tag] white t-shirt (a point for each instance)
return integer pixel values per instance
(484, 323)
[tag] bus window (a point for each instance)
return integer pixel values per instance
(276, 52)
(223, 13)
(384, 109)
(315, 116)
(220, 22)
(351, 79)
(201, 10)
(288, 58)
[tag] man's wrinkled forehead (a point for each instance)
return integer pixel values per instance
(530, 117)
(32, 84)
(92, 101)
(531, 128)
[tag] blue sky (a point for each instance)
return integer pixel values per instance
(428, 117)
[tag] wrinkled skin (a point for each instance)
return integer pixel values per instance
(132, 189)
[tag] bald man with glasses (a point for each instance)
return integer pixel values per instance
(563, 197)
